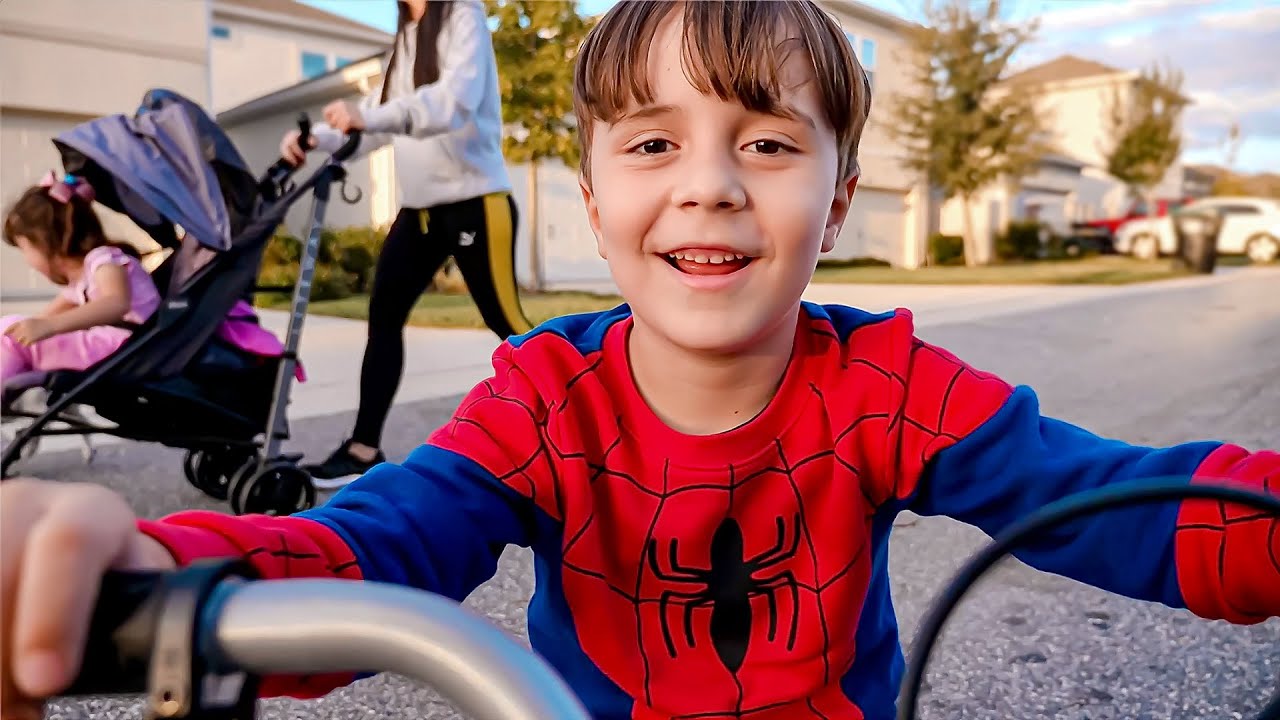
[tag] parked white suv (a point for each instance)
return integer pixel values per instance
(1250, 226)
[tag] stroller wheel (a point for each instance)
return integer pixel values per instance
(212, 471)
(280, 488)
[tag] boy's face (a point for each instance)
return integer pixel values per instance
(712, 216)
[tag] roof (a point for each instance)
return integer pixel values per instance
(330, 85)
(1060, 69)
(300, 11)
(1058, 157)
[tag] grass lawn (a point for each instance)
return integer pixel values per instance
(457, 311)
(1094, 270)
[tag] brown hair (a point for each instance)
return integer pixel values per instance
(58, 229)
(729, 49)
(426, 58)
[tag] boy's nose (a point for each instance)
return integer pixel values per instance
(710, 183)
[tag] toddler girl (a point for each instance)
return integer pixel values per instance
(55, 227)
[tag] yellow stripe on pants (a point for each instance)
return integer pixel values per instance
(497, 219)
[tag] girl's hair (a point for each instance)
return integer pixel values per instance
(58, 229)
(426, 60)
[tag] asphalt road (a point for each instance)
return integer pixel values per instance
(1198, 363)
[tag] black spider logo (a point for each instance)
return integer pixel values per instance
(728, 586)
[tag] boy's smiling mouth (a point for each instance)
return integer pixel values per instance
(707, 261)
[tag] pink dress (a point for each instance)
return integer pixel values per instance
(80, 349)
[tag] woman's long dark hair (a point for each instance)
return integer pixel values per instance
(426, 61)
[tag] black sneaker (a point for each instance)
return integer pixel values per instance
(340, 468)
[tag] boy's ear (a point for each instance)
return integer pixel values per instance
(593, 213)
(840, 201)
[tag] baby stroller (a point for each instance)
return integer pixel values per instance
(177, 381)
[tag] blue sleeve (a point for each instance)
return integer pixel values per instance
(1018, 461)
(437, 522)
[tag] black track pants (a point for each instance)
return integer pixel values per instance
(480, 234)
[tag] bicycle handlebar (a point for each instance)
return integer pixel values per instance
(167, 634)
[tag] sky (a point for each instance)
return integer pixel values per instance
(1228, 50)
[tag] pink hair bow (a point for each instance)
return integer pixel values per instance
(62, 190)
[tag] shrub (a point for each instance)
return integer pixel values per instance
(344, 262)
(946, 249)
(1019, 241)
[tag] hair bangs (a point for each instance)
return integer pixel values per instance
(732, 50)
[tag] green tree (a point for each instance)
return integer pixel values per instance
(1144, 124)
(963, 128)
(535, 43)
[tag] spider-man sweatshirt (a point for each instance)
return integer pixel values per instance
(746, 572)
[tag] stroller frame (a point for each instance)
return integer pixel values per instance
(269, 482)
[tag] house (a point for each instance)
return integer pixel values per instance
(891, 212)
(1074, 96)
(101, 57)
(257, 47)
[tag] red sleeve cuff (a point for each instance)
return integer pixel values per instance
(188, 544)
(1228, 555)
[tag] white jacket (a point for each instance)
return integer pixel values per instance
(447, 136)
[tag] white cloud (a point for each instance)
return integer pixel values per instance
(1076, 16)
(1250, 20)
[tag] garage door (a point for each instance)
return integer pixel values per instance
(28, 152)
(876, 228)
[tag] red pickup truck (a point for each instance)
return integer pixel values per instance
(1100, 233)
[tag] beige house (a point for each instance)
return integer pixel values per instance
(260, 46)
(63, 62)
(889, 217)
(1075, 96)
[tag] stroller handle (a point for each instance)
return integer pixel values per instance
(221, 624)
(272, 185)
(349, 147)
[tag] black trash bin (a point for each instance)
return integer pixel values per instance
(1197, 234)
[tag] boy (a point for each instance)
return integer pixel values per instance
(712, 470)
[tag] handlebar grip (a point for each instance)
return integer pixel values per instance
(146, 636)
(121, 634)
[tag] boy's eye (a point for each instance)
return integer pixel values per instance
(653, 147)
(768, 147)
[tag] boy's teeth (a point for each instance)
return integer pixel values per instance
(714, 258)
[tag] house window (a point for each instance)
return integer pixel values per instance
(867, 56)
(220, 31)
(342, 62)
(314, 64)
(865, 50)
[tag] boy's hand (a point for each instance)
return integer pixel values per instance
(56, 541)
(31, 330)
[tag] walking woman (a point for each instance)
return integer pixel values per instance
(440, 110)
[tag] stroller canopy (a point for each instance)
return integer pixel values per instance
(168, 164)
